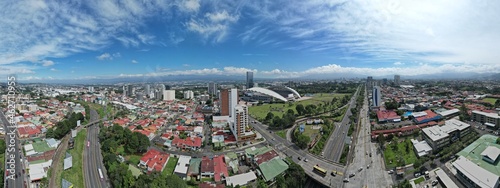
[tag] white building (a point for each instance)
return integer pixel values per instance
(182, 166)
(188, 94)
(421, 148)
(233, 101)
(376, 96)
(449, 113)
(473, 175)
(241, 179)
(440, 136)
(490, 154)
(169, 95)
(489, 119)
(436, 137)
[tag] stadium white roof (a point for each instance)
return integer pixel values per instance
(475, 173)
(293, 91)
(268, 92)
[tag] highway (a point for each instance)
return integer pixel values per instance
(92, 158)
(292, 151)
(334, 146)
(365, 153)
(17, 179)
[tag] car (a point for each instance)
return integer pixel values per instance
(346, 180)
(305, 160)
(300, 158)
(434, 183)
(390, 171)
(367, 167)
(333, 174)
(352, 175)
(88, 143)
(273, 139)
(417, 174)
(370, 154)
(360, 169)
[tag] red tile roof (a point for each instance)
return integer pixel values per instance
(384, 115)
(266, 156)
(220, 168)
(430, 114)
(207, 165)
(155, 160)
(29, 130)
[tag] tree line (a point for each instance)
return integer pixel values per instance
(63, 127)
(133, 143)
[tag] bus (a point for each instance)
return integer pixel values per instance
(100, 173)
(319, 170)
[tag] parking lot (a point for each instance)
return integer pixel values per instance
(430, 180)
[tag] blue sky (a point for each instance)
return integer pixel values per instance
(46, 40)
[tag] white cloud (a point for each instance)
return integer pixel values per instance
(398, 63)
(117, 54)
(134, 61)
(190, 5)
(386, 30)
(214, 26)
(221, 17)
(47, 63)
(53, 69)
(186, 65)
(30, 78)
(104, 56)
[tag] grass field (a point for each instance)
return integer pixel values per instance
(41, 146)
(309, 131)
(169, 169)
(135, 171)
(419, 180)
(490, 100)
(391, 155)
(260, 112)
(120, 150)
(133, 159)
(281, 133)
(75, 173)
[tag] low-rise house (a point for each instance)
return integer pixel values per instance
(154, 160)
(181, 168)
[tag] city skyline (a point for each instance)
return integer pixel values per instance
(273, 39)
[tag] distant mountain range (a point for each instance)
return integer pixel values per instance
(218, 78)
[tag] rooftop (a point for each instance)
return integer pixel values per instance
(435, 133)
(272, 168)
(474, 150)
(491, 152)
(492, 115)
(241, 179)
(475, 173)
(449, 112)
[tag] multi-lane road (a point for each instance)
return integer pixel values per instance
(292, 151)
(335, 145)
(92, 158)
(367, 163)
(14, 176)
